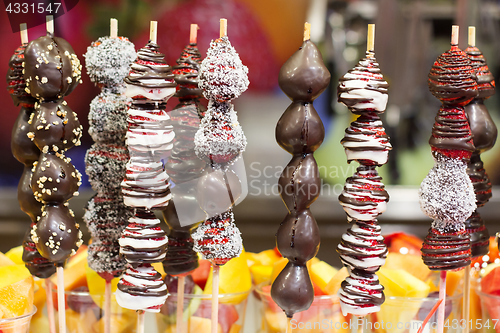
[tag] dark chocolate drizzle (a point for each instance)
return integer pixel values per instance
(451, 131)
(300, 132)
(484, 78)
(138, 290)
(150, 65)
(447, 250)
(186, 73)
(362, 249)
(452, 79)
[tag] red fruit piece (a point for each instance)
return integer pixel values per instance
(200, 274)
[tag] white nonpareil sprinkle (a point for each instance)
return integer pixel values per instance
(222, 74)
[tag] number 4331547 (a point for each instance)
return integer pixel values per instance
(33, 8)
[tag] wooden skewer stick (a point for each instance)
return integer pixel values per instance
(307, 31)
(24, 33)
(454, 35)
(472, 36)
(50, 306)
(153, 31)
(61, 303)
(442, 297)
(49, 22)
(466, 306)
(223, 27)
(181, 282)
(107, 307)
(370, 38)
(140, 321)
(193, 34)
(288, 325)
(113, 28)
(215, 297)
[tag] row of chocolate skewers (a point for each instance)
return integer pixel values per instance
(227, 154)
(105, 160)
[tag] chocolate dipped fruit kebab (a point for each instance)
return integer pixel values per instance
(184, 168)
(363, 90)
(220, 142)
(52, 70)
(150, 83)
(484, 135)
(26, 152)
(447, 194)
(299, 131)
(107, 61)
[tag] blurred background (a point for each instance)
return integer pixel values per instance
(409, 37)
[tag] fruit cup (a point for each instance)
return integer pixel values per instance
(324, 315)
(406, 314)
(19, 324)
(197, 313)
(490, 305)
(85, 314)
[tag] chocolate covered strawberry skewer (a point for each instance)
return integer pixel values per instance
(26, 152)
(107, 61)
(362, 250)
(52, 71)
(447, 194)
(220, 141)
(184, 167)
(150, 83)
(484, 134)
(300, 132)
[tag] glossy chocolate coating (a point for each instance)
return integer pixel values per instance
(300, 129)
(299, 183)
(479, 235)
(52, 69)
(25, 196)
(186, 72)
(58, 235)
(304, 76)
(292, 290)
(374, 298)
(150, 65)
(15, 79)
(22, 147)
(180, 256)
(218, 191)
(480, 180)
(451, 130)
(455, 253)
(55, 125)
(53, 172)
(484, 130)
(484, 78)
(183, 164)
(452, 79)
(300, 132)
(298, 237)
(34, 262)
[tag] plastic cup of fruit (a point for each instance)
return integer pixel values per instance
(19, 324)
(323, 315)
(406, 315)
(397, 315)
(490, 313)
(84, 313)
(197, 313)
